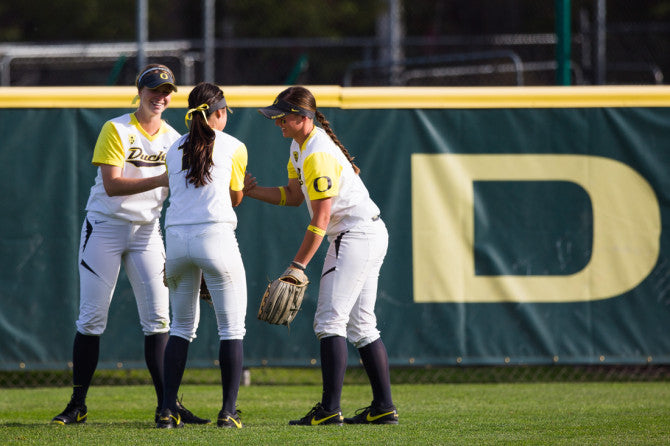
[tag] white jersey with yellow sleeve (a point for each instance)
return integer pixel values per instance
(324, 172)
(209, 203)
(124, 143)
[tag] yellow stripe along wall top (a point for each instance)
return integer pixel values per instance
(359, 97)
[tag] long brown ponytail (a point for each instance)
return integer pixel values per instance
(197, 149)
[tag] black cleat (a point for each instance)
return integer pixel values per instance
(226, 419)
(188, 417)
(73, 414)
(166, 420)
(374, 415)
(319, 416)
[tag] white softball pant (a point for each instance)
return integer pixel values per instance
(348, 286)
(105, 244)
(213, 250)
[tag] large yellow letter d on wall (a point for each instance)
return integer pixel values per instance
(626, 228)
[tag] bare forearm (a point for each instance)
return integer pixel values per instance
(315, 233)
(270, 195)
(281, 196)
(120, 186)
(309, 247)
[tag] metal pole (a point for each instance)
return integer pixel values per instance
(563, 40)
(586, 39)
(142, 33)
(395, 41)
(208, 39)
(601, 42)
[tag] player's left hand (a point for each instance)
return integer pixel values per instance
(283, 297)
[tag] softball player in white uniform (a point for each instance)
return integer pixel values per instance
(206, 175)
(321, 172)
(122, 226)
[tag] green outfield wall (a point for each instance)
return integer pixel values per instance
(526, 224)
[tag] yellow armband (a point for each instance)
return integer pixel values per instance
(317, 231)
(282, 200)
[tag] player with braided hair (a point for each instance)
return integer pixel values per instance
(321, 172)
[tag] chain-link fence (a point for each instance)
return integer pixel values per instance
(635, 56)
(431, 43)
(356, 375)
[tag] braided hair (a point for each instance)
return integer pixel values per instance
(197, 148)
(304, 98)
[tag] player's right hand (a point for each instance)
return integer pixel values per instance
(249, 182)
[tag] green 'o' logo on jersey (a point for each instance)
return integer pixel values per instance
(322, 184)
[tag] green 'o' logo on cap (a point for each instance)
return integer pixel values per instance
(164, 75)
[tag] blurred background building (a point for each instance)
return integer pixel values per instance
(337, 42)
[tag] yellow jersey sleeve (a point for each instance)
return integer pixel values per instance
(109, 148)
(322, 175)
(291, 170)
(240, 158)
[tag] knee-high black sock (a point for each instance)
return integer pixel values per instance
(376, 363)
(85, 353)
(176, 354)
(231, 357)
(333, 367)
(154, 356)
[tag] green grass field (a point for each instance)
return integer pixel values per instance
(474, 414)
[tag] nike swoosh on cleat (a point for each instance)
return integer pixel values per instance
(376, 417)
(79, 418)
(239, 425)
(315, 422)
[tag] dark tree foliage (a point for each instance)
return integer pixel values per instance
(448, 17)
(105, 20)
